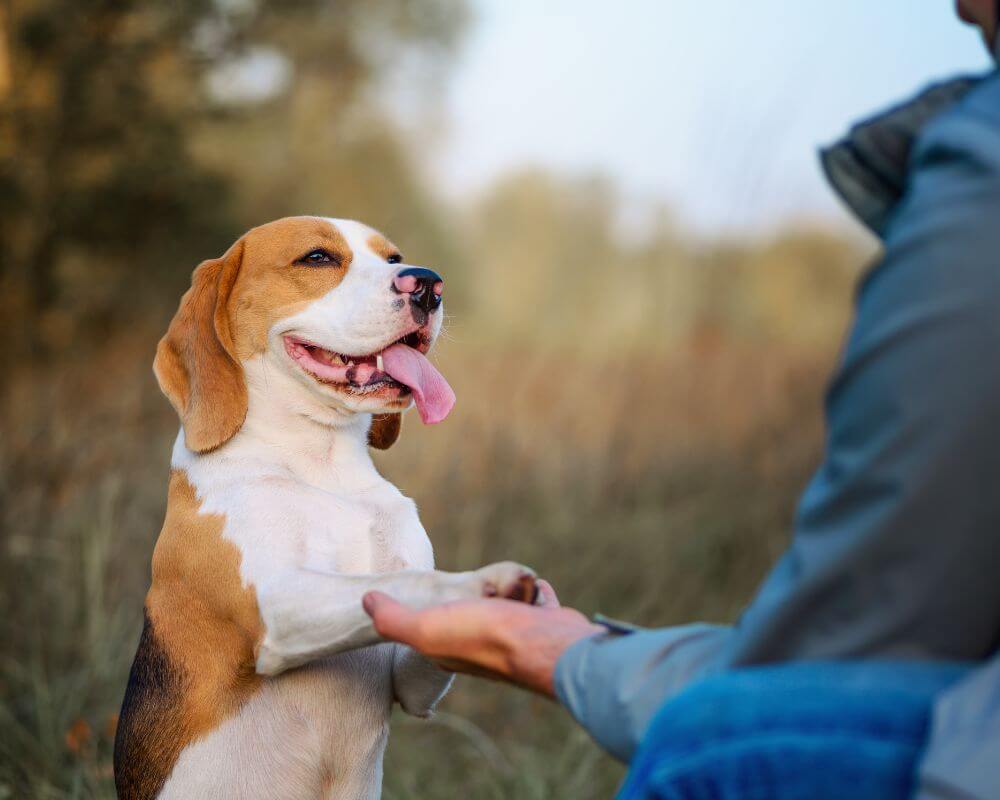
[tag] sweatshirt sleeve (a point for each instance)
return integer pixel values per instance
(612, 684)
(897, 536)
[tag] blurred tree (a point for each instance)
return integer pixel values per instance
(779, 290)
(791, 280)
(560, 263)
(105, 195)
(549, 259)
(345, 131)
(94, 176)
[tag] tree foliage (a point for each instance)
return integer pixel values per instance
(126, 155)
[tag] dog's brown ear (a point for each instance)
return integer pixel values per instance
(384, 430)
(195, 362)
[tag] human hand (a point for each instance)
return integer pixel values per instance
(493, 638)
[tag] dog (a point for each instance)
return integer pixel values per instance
(258, 673)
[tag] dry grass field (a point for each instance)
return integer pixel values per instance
(639, 404)
(655, 486)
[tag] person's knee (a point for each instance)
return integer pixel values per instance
(779, 728)
(887, 697)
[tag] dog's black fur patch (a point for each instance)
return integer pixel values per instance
(150, 728)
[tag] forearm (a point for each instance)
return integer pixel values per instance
(611, 684)
(308, 614)
(529, 655)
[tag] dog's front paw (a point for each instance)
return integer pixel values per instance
(508, 580)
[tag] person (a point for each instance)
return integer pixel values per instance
(867, 665)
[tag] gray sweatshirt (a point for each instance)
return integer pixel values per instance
(896, 548)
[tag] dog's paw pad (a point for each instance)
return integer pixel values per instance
(509, 581)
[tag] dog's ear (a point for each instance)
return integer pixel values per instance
(384, 430)
(195, 362)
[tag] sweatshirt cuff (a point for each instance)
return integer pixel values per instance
(613, 685)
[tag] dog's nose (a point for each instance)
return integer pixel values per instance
(424, 286)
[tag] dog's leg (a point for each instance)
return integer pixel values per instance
(417, 682)
(308, 614)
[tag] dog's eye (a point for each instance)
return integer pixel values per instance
(318, 257)
(395, 258)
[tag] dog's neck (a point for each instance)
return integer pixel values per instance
(289, 427)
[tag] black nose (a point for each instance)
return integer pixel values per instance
(424, 286)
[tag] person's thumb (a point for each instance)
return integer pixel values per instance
(546, 595)
(392, 619)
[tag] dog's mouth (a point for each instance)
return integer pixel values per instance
(354, 371)
(398, 371)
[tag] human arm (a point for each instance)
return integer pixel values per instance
(896, 536)
(500, 639)
(612, 684)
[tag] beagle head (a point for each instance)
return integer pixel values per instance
(331, 304)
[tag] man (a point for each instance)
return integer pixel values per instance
(867, 665)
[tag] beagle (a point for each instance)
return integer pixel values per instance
(258, 674)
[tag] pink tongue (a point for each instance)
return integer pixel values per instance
(434, 397)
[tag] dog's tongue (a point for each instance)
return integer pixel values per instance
(434, 397)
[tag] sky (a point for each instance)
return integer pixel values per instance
(716, 108)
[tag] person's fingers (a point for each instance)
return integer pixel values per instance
(546, 594)
(392, 619)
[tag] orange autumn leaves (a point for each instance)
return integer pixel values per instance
(80, 735)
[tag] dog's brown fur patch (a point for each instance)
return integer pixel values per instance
(195, 663)
(195, 361)
(382, 247)
(384, 430)
(272, 285)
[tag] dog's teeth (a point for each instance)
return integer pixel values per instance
(378, 363)
(332, 358)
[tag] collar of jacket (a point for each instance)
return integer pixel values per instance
(868, 167)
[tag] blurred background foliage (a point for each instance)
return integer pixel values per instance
(638, 405)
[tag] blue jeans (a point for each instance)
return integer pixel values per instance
(807, 731)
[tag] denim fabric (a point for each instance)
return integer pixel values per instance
(808, 731)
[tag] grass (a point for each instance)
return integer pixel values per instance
(657, 487)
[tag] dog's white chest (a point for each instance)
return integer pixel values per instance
(343, 520)
(319, 730)
(371, 532)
